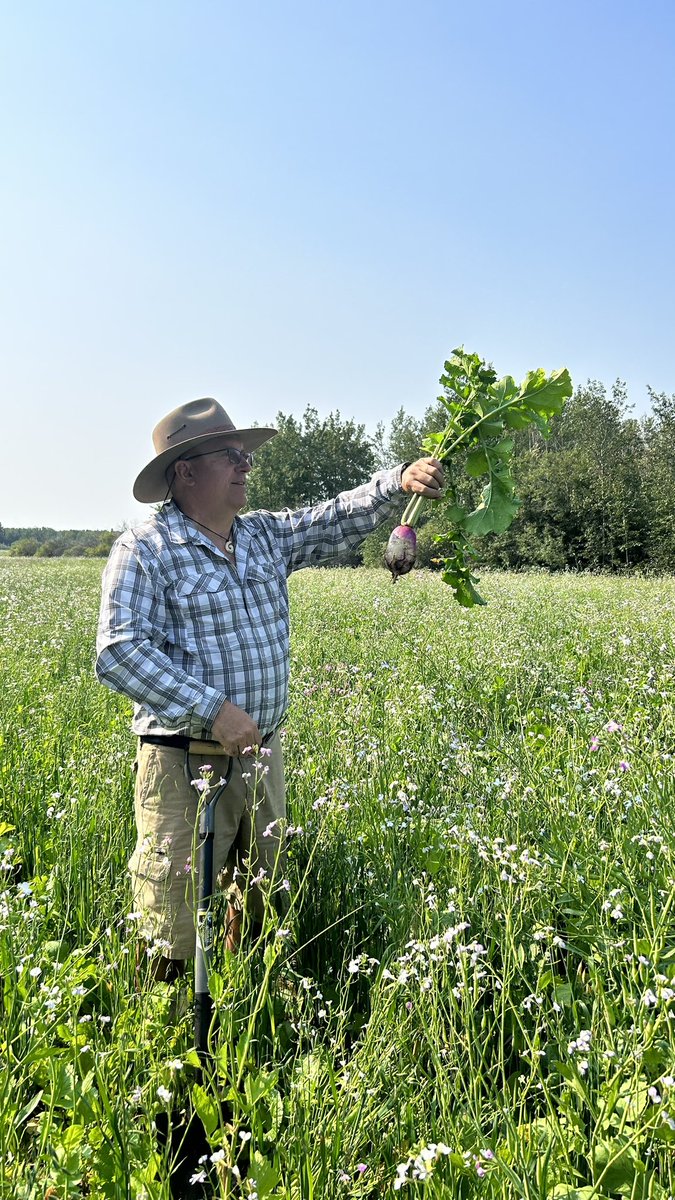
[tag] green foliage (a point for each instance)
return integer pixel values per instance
(47, 543)
(309, 460)
(24, 547)
(584, 492)
(480, 410)
(658, 481)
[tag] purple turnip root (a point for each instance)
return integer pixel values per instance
(401, 551)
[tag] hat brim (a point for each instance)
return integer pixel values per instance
(151, 485)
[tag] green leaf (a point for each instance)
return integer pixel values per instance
(224, 1063)
(28, 1108)
(615, 1165)
(257, 1085)
(564, 993)
(664, 1132)
(432, 441)
(72, 1137)
(216, 986)
(633, 1098)
(515, 418)
(206, 1109)
(465, 592)
(570, 1074)
(567, 1191)
(503, 391)
(498, 506)
(434, 860)
(503, 450)
(456, 1160)
(454, 513)
(58, 951)
(490, 429)
(262, 1174)
(476, 462)
(546, 394)
(243, 1049)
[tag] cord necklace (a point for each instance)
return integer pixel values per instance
(229, 542)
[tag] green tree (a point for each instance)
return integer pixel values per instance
(52, 548)
(280, 475)
(310, 460)
(583, 500)
(24, 547)
(405, 436)
(102, 547)
(599, 479)
(659, 480)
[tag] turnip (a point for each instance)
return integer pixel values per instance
(481, 410)
(401, 551)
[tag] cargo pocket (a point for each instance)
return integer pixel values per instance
(150, 872)
(150, 866)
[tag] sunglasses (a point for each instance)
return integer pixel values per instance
(236, 457)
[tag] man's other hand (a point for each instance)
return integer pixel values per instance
(234, 729)
(425, 477)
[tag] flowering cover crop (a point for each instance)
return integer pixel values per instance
(472, 989)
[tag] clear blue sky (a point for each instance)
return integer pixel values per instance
(291, 203)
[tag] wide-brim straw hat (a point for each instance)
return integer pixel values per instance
(198, 423)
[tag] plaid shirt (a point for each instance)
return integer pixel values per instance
(181, 629)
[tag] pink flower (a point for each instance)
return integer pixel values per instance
(624, 766)
(612, 727)
(595, 743)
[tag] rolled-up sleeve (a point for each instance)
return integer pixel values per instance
(130, 658)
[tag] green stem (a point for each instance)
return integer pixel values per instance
(412, 512)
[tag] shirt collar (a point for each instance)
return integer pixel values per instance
(176, 525)
(181, 532)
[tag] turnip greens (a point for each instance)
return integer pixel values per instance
(482, 412)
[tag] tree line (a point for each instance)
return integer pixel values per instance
(42, 542)
(598, 495)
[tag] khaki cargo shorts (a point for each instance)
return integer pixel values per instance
(248, 847)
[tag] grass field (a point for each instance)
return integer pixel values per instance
(473, 992)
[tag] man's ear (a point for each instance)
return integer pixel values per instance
(183, 471)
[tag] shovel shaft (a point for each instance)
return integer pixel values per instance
(204, 922)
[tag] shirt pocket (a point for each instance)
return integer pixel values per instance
(264, 588)
(202, 605)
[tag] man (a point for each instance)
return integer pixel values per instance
(194, 628)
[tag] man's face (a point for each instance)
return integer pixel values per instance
(219, 482)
